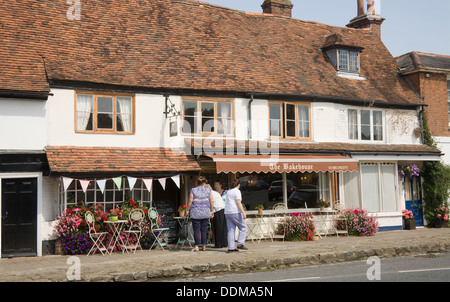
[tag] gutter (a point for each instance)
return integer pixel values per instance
(335, 99)
(250, 117)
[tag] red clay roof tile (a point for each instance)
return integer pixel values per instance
(185, 44)
(70, 159)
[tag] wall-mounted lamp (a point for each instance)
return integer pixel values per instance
(171, 111)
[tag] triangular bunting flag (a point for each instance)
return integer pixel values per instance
(176, 180)
(84, 184)
(148, 183)
(101, 184)
(162, 181)
(131, 182)
(118, 182)
(66, 182)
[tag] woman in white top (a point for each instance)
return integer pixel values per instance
(235, 216)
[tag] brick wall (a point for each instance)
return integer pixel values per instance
(433, 88)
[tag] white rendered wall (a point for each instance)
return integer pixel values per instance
(22, 124)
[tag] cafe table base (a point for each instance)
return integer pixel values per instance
(116, 230)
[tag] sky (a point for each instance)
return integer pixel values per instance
(410, 25)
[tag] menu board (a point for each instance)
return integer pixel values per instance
(166, 209)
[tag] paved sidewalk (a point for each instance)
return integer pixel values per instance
(158, 265)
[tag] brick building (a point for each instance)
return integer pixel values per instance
(430, 76)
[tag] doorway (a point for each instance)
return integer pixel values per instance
(19, 217)
(413, 198)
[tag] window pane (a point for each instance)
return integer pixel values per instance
(189, 125)
(104, 104)
(351, 190)
(85, 110)
(353, 61)
(388, 187)
(290, 128)
(275, 111)
(124, 114)
(303, 121)
(189, 108)
(365, 124)
(290, 112)
(189, 116)
(343, 59)
(104, 121)
(275, 119)
(104, 112)
(207, 117)
(352, 124)
(275, 127)
(369, 184)
(377, 125)
(224, 119)
(290, 120)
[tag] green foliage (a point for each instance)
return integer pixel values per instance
(436, 185)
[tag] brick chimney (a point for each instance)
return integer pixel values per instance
(370, 19)
(278, 7)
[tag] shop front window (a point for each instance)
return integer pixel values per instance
(303, 189)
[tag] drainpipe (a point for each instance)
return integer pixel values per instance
(250, 117)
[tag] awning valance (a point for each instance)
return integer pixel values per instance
(283, 163)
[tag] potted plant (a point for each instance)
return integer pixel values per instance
(408, 218)
(441, 217)
(113, 216)
(323, 204)
(260, 208)
(182, 210)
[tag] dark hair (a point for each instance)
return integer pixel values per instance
(234, 183)
(201, 180)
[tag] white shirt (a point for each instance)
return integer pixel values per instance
(230, 201)
(219, 203)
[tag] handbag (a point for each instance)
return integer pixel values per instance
(183, 233)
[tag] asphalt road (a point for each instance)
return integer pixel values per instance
(421, 268)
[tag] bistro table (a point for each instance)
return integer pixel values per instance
(324, 222)
(116, 230)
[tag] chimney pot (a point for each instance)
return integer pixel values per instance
(361, 7)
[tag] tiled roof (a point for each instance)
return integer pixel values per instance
(419, 60)
(201, 146)
(69, 159)
(185, 44)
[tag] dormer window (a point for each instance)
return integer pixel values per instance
(344, 56)
(348, 60)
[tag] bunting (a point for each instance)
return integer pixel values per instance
(66, 182)
(148, 183)
(84, 184)
(101, 183)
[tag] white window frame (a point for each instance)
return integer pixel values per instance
(371, 125)
(347, 52)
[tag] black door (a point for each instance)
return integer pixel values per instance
(19, 217)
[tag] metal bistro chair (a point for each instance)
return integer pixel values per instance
(340, 221)
(278, 222)
(159, 234)
(136, 218)
(96, 237)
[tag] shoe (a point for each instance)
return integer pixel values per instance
(231, 251)
(242, 247)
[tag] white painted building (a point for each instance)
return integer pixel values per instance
(94, 103)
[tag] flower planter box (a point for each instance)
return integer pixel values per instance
(410, 224)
